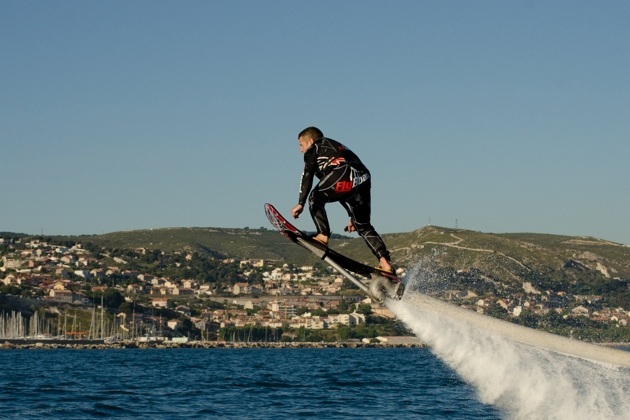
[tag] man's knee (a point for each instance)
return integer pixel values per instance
(317, 199)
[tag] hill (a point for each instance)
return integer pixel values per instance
(549, 261)
(562, 284)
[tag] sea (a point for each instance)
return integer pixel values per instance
(467, 371)
(278, 383)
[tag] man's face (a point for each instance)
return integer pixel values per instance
(305, 143)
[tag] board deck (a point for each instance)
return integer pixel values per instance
(340, 262)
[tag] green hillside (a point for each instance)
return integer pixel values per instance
(539, 280)
(510, 257)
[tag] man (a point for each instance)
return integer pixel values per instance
(342, 177)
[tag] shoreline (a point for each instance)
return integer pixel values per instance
(15, 344)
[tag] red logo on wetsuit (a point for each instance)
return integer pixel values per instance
(343, 186)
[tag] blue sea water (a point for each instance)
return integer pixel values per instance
(234, 383)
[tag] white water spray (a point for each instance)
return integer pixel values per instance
(523, 372)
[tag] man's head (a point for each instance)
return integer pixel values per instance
(307, 137)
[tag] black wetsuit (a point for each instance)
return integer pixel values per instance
(343, 178)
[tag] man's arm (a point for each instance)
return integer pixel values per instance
(306, 182)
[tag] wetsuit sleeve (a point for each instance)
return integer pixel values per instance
(310, 167)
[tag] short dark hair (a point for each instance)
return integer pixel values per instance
(312, 132)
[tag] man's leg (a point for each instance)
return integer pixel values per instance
(317, 203)
(359, 210)
(327, 191)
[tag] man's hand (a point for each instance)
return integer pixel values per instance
(350, 227)
(297, 210)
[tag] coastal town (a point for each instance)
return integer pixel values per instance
(83, 293)
(297, 298)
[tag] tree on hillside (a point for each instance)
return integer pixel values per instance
(112, 298)
(364, 309)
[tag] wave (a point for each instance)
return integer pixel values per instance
(524, 372)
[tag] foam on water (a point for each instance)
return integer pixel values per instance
(523, 372)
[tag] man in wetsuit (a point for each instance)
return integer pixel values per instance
(344, 178)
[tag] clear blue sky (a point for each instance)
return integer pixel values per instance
(497, 116)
